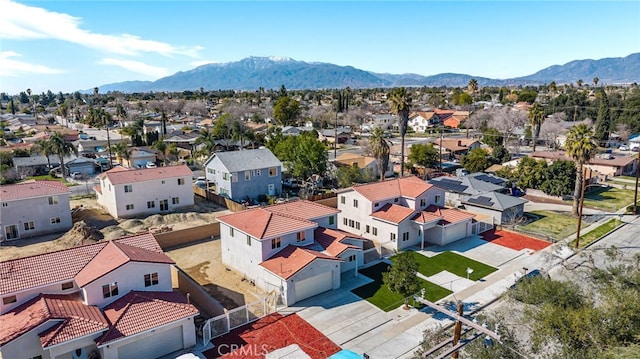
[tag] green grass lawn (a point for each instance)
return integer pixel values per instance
(382, 297)
(451, 262)
(553, 224)
(589, 237)
(608, 199)
(51, 178)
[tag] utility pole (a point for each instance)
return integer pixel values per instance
(457, 330)
(635, 195)
(335, 138)
(441, 134)
(584, 175)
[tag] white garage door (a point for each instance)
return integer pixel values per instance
(315, 285)
(154, 346)
(456, 232)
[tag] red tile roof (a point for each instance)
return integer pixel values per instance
(137, 312)
(77, 319)
(410, 187)
(291, 259)
(114, 255)
(60, 266)
(119, 176)
(331, 240)
(448, 215)
(424, 217)
(32, 189)
(393, 213)
(272, 221)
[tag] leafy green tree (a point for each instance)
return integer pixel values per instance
(527, 95)
(531, 173)
(379, 148)
(401, 277)
(400, 103)
(302, 155)
(559, 178)
(501, 154)
(477, 160)
(348, 175)
(536, 118)
(603, 121)
(492, 137)
(286, 111)
(461, 98)
(160, 146)
(423, 154)
(580, 146)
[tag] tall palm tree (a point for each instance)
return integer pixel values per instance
(208, 140)
(45, 149)
(62, 148)
(581, 146)
(473, 85)
(122, 151)
(595, 81)
(380, 150)
(536, 118)
(400, 103)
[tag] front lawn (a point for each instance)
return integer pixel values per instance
(451, 262)
(52, 178)
(553, 224)
(382, 297)
(589, 237)
(608, 199)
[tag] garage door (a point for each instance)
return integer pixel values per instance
(154, 346)
(314, 285)
(456, 232)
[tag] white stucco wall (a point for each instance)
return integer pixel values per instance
(27, 345)
(40, 212)
(317, 267)
(27, 294)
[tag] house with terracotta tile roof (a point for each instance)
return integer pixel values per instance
(367, 165)
(34, 208)
(293, 248)
(245, 174)
(110, 298)
(127, 193)
(401, 213)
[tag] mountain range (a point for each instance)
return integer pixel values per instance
(272, 72)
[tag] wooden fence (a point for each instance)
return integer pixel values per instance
(180, 237)
(219, 200)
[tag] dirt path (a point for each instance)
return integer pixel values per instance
(203, 263)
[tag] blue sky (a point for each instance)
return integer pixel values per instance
(73, 45)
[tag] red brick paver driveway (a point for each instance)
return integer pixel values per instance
(514, 240)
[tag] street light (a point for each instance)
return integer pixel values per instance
(469, 271)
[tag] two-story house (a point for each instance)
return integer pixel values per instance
(34, 208)
(112, 299)
(127, 193)
(245, 174)
(292, 248)
(420, 121)
(401, 213)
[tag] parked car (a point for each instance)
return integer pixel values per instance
(623, 148)
(76, 175)
(291, 182)
(151, 165)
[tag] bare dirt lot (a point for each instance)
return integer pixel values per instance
(203, 263)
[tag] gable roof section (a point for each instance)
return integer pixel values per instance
(302, 209)
(261, 223)
(331, 240)
(348, 159)
(113, 256)
(75, 319)
(32, 189)
(458, 144)
(291, 259)
(616, 161)
(64, 265)
(244, 160)
(137, 312)
(393, 213)
(410, 187)
(448, 215)
(120, 176)
(494, 200)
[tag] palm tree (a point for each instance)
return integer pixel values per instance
(400, 102)
(161, 147)
(379, 148)
(62, 148)
(473, 85)
(595, 81)
(580, 146)
(122, 151)
(44, 148)
(536, 118)
(207, 139)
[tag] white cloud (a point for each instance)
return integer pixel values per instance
(136, 66)
(23, 22)
(11, 67)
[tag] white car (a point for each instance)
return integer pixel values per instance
(623, 148)
(151, 165)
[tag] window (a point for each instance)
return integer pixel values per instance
(351, 223)
(128, 188)
(9, 300)
(395, 200)
(331, 220)
(129, 207)
(256, 173)
(164, 205)
(275, 243)
(29, 226)
(357, 225)
(231, 232)
(301, 236)
(36, 357)
(344, 221)
(355, 203)
(247, 175)
(273, 171)
(211, 171)
(180, 181)
(249, 240)
(343, 200)
(150, 279)
(375, 231)
(175, 200)
(110, 290)
(162, 181)
(405, 236)
(438, 199)
(53, 200)
(225, 176)
(11, 231)
(352, 258)
(67, 285)
(377, 204)
(5, 204)
(234, 177)
(393, 237)
(151, 204)
(367, 229)
(55, 220)
(423, 202)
